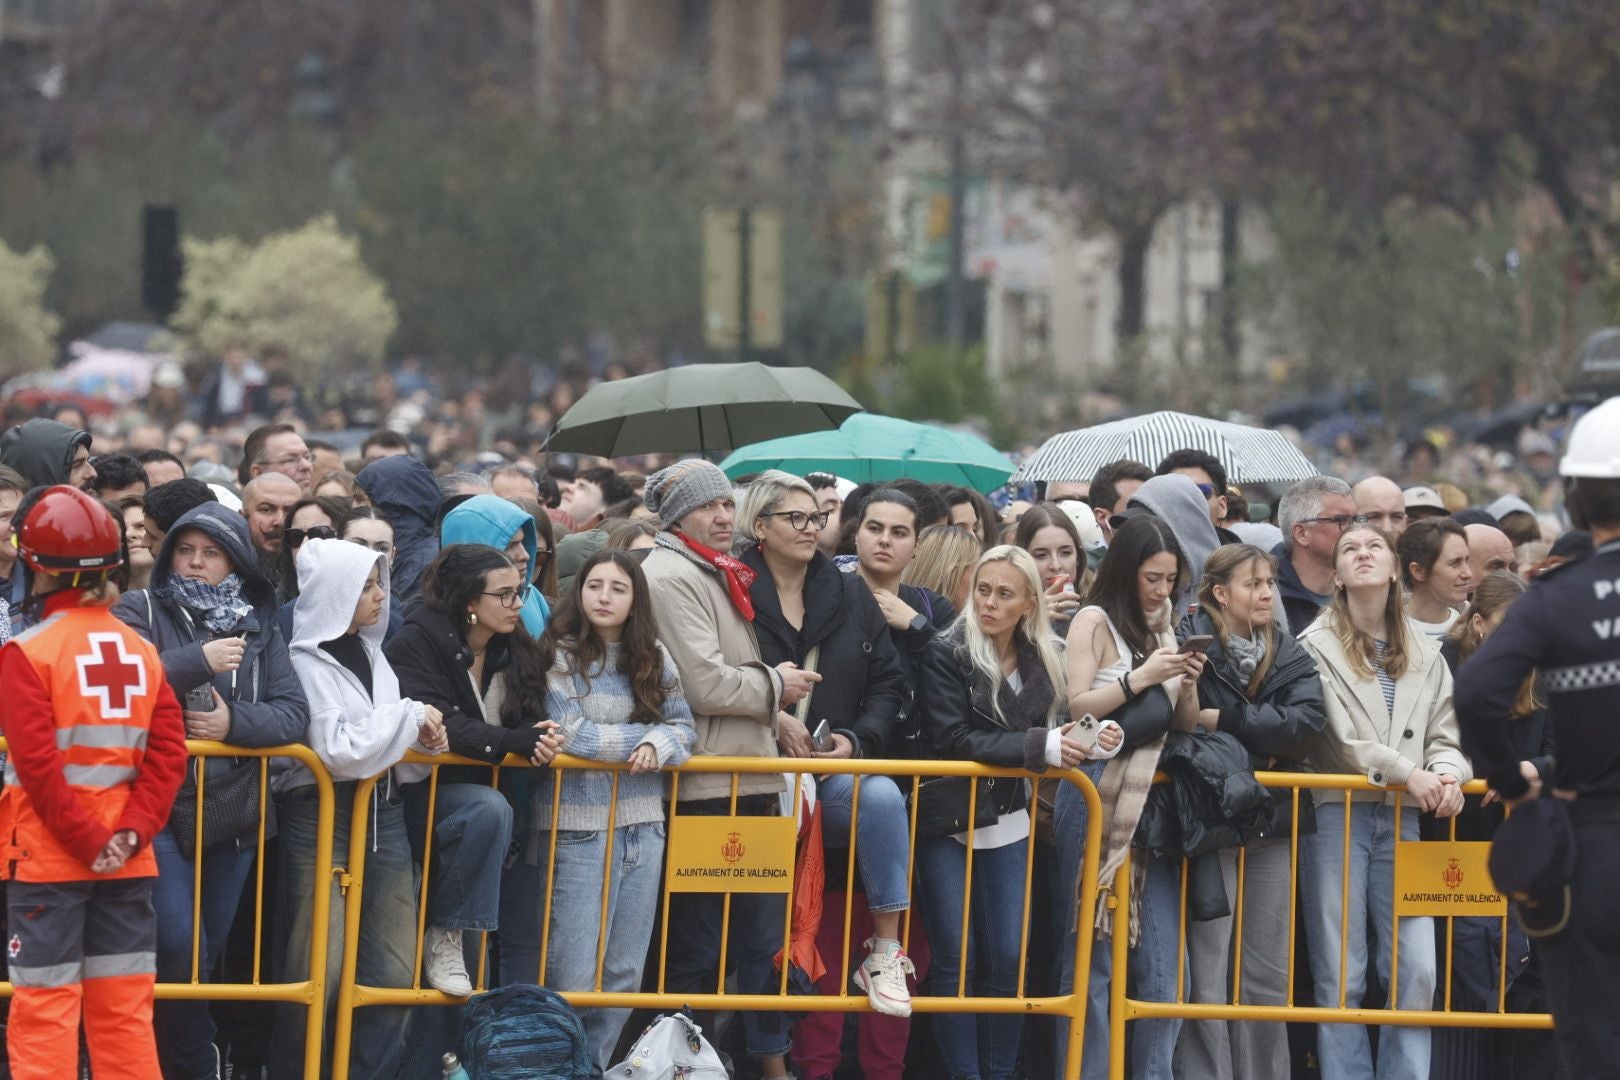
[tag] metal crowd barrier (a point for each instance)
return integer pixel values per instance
(1070, 1006)
(1124, 1009)
(310, 992)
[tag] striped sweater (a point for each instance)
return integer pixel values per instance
(596, 724)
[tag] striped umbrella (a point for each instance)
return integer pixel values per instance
(1250, 455)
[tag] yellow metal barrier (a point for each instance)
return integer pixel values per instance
(1071, 1006)
(310, 992)
(1123, 1008)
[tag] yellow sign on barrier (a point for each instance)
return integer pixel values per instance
(1434, 878)
(731, 854)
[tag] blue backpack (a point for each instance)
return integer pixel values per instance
(522, 1032)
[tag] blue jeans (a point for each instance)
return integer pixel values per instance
(883, 836)
(1152, 963)
(185, 1029)
(974, 1046)
(757, 922)
(387, 927)
(472, 829)
(576, 919)
(1403, 1052)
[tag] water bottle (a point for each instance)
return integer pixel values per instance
(453, 1069)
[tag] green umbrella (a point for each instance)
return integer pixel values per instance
(700, 407)
(868, 447)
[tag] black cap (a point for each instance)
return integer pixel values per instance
(1532, 861)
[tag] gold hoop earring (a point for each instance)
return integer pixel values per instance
(472, 618)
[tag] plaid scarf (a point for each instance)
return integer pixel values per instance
(221, 607)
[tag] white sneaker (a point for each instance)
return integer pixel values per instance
(883, 976)
(445, 967)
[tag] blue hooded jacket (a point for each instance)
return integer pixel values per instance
(267, 702)
(491, 520)
(406, 493)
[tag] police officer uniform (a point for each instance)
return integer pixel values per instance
(1567, 628)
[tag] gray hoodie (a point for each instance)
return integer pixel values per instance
(1176, 500)
(355, 734)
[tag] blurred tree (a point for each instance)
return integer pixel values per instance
(27, 330)
(306, 289)
(1415, 294)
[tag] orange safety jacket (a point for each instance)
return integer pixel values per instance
(96, 745)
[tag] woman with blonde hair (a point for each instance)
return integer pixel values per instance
(1387, 693)
(944, 562)
(992, 691)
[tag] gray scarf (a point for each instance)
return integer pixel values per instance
(1247, 654)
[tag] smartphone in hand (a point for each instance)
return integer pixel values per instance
(1084, 731)
(1198, 643)
(821, 738)
(200, 698)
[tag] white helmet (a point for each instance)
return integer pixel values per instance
(1594, 444)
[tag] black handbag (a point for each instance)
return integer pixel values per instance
(232, 810)
(942, 805)
(1145, 717)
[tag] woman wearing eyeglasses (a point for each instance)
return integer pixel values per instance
(306, 519)
(464, 650)
(803, 604)
(495, 522)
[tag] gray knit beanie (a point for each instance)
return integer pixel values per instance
(674, 492)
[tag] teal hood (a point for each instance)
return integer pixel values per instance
(491, 520)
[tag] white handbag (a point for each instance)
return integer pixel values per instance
(672, 1048)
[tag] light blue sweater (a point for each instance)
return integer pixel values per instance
(595, 720)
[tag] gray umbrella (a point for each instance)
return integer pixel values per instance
(700, 407)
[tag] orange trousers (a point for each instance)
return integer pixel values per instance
(82, 950)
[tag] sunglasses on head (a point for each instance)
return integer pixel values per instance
(314, 532)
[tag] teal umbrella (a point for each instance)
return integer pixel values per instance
(868, 447)
(700, 407)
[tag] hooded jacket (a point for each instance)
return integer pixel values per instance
(491, 520)
(1176, 501)
(357, 731)
(267, 703)
(42, 450)
(1362, 736)
(433, 664)
(404, 490)
(862, 692)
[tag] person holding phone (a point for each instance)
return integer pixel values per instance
(1049, 535)
(1261, 687)
(808, 613)
(992, 691)
(616, 696)
(1125, 666)
(212, 615)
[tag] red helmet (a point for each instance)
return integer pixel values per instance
(67, 531)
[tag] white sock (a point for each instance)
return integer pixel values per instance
(885, 945)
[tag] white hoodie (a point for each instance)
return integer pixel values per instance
(354, 735)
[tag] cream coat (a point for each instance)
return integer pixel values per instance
(1362, 737)
(733, 694)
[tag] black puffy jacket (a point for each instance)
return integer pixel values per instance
(863, 687)
(1277, 723)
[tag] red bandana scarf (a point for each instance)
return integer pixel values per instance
(738, 576)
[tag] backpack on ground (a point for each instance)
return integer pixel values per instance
(522, 1032)
(672, 1046)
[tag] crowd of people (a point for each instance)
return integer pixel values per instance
(399, 599)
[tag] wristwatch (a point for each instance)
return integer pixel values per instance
(918, 622)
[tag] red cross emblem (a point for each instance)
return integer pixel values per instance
(111, 675)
